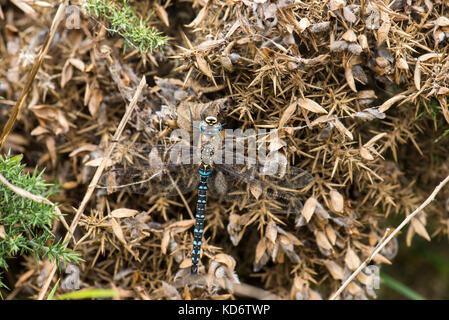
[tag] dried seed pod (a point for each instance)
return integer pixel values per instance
(335, 270)
(336, 4)
(365, 154)
(270, 15)
(287, 246)
(402, 64)
(363, 41)
(419, 228)
(338, 46)
(2, 232)
(256, 189)
(349, 15)
(340, 127)
(350, 78)
(352, 261)
(442, 22)
(355, 49)
(360, 75)
(382, 62)
(165, 242)
(349, 36)
(303, 24)
(124, 213)
(337, 201)
(438, 35)
(309, 208)
(443, 91)
(382, 33)
(226, 63)
(320, 27)
(233, 228)
(311, 105)
(322, 241)
(331, 235)
(287, 114)
(365, 97)
(354, 289)
(257, 266)
(271, 232)
(321, 213)
(204, 67)
(387, 104)
(225, 259)
(325, 133)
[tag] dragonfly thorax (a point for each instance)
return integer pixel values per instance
(210, 139)
(207, 153)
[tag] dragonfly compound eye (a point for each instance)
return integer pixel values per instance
(210, 120)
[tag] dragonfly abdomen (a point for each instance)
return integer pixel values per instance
(199, 218)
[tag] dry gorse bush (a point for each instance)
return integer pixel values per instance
(356, 89)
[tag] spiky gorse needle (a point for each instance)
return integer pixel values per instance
(25, 225)
(125, 22)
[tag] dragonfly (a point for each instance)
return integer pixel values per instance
(158, 169)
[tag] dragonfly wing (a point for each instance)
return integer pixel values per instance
(281, 188)
(141, 154)
(170, 180)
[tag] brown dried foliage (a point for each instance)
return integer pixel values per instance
(342, 81)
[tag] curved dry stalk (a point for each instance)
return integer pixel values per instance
(240, 289)
(40, 58)
(383, 243)
(249, 291)
(26, 194)
(96, 178)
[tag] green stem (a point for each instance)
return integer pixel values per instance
(401, 288)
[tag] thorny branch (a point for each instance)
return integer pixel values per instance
(23, 193)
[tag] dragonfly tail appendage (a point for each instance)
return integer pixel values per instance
(199, 219)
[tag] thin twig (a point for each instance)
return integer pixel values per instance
(387, 239)
(26, 194)
(96, 177)
(40, 58)
(181, 195)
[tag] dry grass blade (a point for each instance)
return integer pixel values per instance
(40, 58)
(97, 176)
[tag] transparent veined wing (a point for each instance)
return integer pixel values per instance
(281, 188)
(150, 169)
(272, 176)
(170, 181)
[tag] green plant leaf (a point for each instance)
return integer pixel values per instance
(89, 294)
(52, 292)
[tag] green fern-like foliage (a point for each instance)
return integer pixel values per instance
(25, 225)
